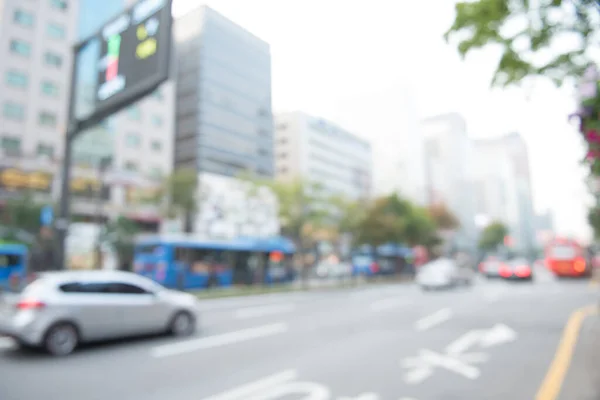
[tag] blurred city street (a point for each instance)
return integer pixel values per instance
(494, 340)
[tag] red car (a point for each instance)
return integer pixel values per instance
(516, 269)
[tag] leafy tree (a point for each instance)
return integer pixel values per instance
(181, 190)
(120, 234)
(23, 213)
(493, 236)
(594, 221)
(420, 228)
(443, 217)
(526, 33)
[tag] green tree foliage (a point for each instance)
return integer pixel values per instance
(493, 236)
(594, 221)
(181, 191)
(526, 33)
(392, 219)
(443, 217)
(346, 215)
(120, 235)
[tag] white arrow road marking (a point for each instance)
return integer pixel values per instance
(450, 363)
(499, 334)
(242, 392)
(418, 375)
(434, 319)
(387, 304)
(253, 312)
(464, 342)
(218, 340)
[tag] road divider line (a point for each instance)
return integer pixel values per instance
(254, 312)
(387, 304)
(553, 381)
(209, 342)
(243, 392)
(434, 319)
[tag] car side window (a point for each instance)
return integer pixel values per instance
(127, 288)
(85, 287)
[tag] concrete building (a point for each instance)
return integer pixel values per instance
(506, 158)
(224, 119)
(449, 171)
(321, 152)
(35, 64)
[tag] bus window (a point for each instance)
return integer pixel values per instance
(9, 260)
(147, 249)
(562, 253)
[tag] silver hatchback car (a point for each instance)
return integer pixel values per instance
(60, 310)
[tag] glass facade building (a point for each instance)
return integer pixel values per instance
(224, 117)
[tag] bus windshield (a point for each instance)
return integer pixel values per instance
(562, 252)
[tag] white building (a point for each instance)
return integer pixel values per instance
(495, 185)
(35, 65)
(449, 171)
(506, 158)
(399, 166)
(321, 152)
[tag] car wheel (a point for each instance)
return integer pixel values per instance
(61, 339)
(182, 324)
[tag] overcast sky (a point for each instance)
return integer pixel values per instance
(350, 61)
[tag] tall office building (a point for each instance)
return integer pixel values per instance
(512, 151)
(224, 119)
(321, 152)
(449, 171)
(138, 141)
(35, 64)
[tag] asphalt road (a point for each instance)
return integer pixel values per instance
(495, 340)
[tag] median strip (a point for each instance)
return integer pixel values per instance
(209, 342)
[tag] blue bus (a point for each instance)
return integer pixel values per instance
(13, 265)
(387, 259)
(187, 262)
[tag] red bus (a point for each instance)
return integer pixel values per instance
(565, 257)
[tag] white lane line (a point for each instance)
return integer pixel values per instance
(6, 343)
(218, 340)
(434, 319)
(387, 304)
(253, 312)
(260, 385)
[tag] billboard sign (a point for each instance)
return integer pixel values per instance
(133, 58)
(17, 179)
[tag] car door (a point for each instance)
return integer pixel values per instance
(95, 310)
(143, 310)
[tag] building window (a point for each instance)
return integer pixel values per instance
(59, 4)
(20, 47)
(45, 150)
(133, 140)
(134, 112)
(13, 111)
(156, 145)
(156, 120)
(46, 118)
(55, 31)
(24, 18)
(131, 166)
(53, 59)
(10, 145)
(156, 172)
(17, 79)
(49, 88)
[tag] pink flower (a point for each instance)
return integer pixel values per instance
(593, 136)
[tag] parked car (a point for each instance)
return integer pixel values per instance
(60, 310)
(442, 273)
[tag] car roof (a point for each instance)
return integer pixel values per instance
(92, 275)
